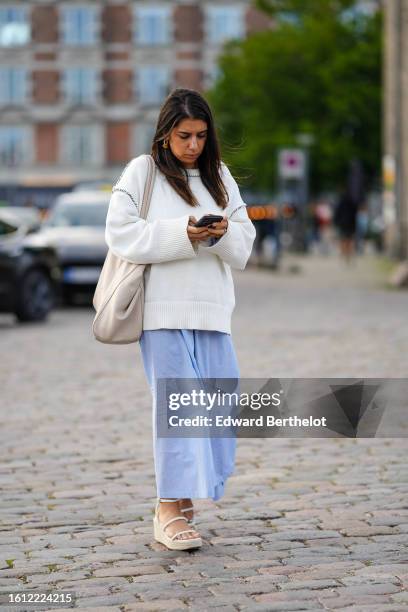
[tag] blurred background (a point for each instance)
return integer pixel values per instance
(310, 103)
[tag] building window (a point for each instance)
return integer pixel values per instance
(79, 25)
(14, 27)
(80, 85)
(152, 25)
(12, 85)
(152, 84)
(225, 22)
(81, 145)
(143, 138)
(13, 146)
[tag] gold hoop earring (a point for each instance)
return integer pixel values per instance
(165, 144)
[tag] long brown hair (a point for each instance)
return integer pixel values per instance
(189, 104)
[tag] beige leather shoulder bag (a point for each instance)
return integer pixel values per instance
(119, 294)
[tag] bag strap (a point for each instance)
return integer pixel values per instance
(147, 194)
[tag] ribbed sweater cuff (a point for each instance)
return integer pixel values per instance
(174, 242)
(226, 246)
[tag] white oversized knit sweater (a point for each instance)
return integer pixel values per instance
(186, 287)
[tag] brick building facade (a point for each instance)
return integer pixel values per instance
(81, 82)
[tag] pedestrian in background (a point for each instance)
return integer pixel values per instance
(351, 198)
(189, 291)
(361, 227)
(345, 220)
(323, 214)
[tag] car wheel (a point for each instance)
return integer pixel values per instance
(35, 297)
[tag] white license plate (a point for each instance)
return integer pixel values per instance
(82, 274)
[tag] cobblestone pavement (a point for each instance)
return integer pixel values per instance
(306, 524)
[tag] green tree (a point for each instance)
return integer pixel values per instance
(317, 72)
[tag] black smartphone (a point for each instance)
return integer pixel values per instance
(208, 220)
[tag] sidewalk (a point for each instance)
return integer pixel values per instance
(306, 524)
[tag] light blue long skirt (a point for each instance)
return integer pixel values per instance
(189, 467)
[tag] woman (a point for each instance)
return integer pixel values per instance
(189, 292)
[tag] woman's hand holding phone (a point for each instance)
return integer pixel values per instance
(216, 228)
(196, 234)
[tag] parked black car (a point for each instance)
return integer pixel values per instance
(29, 273)
(23, 215)
(75, 227)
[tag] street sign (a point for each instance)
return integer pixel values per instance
(292, 163)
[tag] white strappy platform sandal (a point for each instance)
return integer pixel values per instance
(189, 521)
(170, 541)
